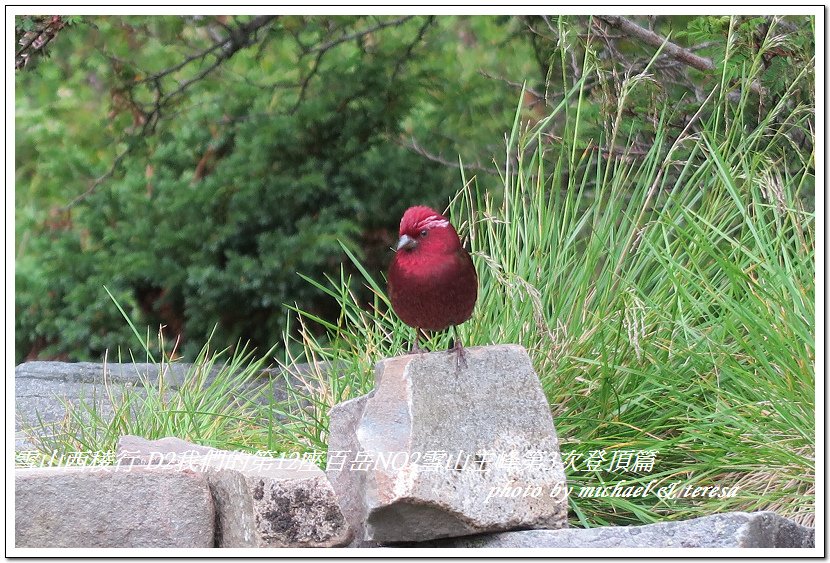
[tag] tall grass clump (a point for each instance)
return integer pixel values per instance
(666, 300)
(219, 400)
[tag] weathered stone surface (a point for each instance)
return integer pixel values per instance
(343, 421)
(134, 450)
(112, 507)
(433, 448)
(260, 501)
(733, 529)
(43, 388)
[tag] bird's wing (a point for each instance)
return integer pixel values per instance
(464, 257)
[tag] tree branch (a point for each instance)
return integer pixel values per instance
(673, 50)
(36, 40)
(238, 38)
(418, 149)
(100, 180)
(408, 53)
(319, 52)
(356, 34)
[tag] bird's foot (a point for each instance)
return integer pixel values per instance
(460, 355)
(414, 348)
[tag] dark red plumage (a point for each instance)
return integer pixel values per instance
(432, 282)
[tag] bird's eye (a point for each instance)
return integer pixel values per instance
(424, 233)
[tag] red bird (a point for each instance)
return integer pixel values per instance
(432, 281)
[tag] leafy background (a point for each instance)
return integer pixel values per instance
(200, 207)
(641, 220)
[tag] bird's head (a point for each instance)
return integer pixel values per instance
(425, 231)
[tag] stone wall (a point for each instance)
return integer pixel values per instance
(169, 493)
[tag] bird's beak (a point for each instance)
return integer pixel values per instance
(406, 242)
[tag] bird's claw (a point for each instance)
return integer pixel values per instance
(460, 355)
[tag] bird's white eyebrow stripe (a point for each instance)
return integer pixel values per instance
(433, 221)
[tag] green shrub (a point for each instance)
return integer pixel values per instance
(188, 245)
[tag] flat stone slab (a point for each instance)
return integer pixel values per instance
(135, 507)
(260, 501)
(432, 445)
(43, 388)
(731, 529)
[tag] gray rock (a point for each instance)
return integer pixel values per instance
(343, 421)
(291, 505)
(441, 452)
(42, 389)
(732, 529)
(134, 450)
(112, 507)
(260, 501)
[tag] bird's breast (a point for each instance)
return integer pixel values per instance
(433, 291)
